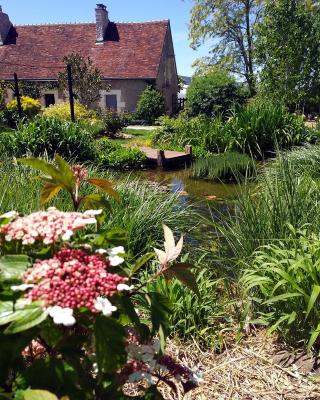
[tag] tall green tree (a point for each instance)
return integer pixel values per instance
(231, 26)
(289, 52)
(87, 79)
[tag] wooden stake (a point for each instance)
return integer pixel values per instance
(71, 99)
(17, 94)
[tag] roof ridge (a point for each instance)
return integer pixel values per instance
(92, 23)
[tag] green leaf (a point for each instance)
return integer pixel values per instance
(161, 308)
(95, 201)
(49, 191)
(38, 395)
(183, 273)
(41, 165)
(105, 186)
(110, 338)
(13, 266)
(141, 262)
(66, 172)
(313, 298)
(282, 297)
(26, 320)
(313, 338)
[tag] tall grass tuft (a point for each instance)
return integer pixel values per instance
(227, 166)
(262, 213)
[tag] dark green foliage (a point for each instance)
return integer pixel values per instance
(151, 105)
(290, 71)
(257, 129)
(114, 155)
(283, 282)
(214, 93)
(113, 122)
(227, 166)
(48, 136)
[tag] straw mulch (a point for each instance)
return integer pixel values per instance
(249, 370)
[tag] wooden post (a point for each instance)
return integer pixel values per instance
(188, 150)
(161, 159)
(71, 99)
(17, 94)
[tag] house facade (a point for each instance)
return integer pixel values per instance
(129, 55)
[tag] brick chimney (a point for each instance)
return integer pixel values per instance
(102, 21)
(5, 26)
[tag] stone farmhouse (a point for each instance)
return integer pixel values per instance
(130, 56)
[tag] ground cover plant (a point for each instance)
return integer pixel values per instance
(111, 154)
(81, 336)
(227, 166)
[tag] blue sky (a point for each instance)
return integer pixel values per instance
(178, 11)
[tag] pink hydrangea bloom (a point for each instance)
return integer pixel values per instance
(47, 226)
(72, 279)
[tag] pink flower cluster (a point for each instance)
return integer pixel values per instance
(47, 226)
(72, 279)
(79, 173)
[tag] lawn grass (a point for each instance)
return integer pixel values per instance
(140, 137)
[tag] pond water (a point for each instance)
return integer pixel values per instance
(209, 198)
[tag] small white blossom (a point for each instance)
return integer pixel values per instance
(22, 288)
(116, 250)
(196, 376)
(93, 212)
(62, 316)
(101, 251)
(67, 235)
(115, 261)
(10, 214)
(104, 306)
(122, 287)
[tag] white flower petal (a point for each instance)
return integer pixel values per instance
(104, 306)
(10, 214)
(93, 212)
(21, 288)
(115, 261)
(162, 257)
(67, 235)
(62, 316)
(116, 250)
(122, 287)
(101, 251)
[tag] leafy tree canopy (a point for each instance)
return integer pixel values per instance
(289, 53)
(87, 79)
(231, 24)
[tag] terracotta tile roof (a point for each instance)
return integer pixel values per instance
(130, 50)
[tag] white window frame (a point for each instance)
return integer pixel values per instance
(56, 97)
(120, 104)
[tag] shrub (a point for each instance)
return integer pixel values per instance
(226, 166)
(30, 107)
(151, 105)
(62, 111)
(282, 280)
(214, 93)
(69, 322)
(48, 136)
(114, 155)
(113, 122)
(257, 129)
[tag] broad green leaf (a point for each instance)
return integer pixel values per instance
(161, 308)
(313, 298)
(13, 266)
(28, 319)
(282, 297)
(43, 166)
(38, 395)
(278, 323)
(110, 340)
(105, 186)
(314, 336)
(95, 201)
(183, 273)
(49, 191)
(66, 172)
(141, 262)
